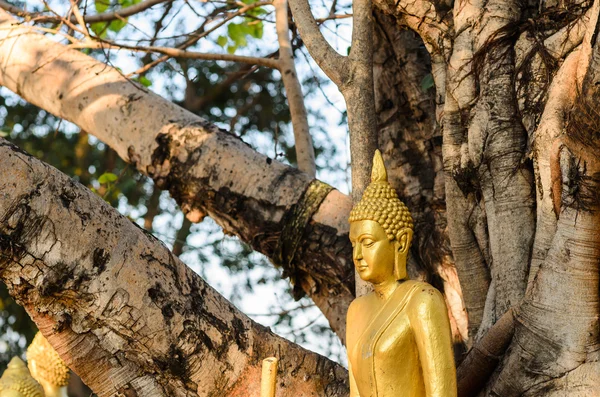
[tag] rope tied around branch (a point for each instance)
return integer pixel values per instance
(294, 222)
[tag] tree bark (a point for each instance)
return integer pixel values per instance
(207, 171)
(522, 232)
(123, 311)
(411, 144)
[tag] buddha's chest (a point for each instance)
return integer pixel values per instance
(385, 360)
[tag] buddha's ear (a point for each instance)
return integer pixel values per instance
(404, 239)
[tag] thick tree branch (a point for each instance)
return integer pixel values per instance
(415, 169)
(122, 310)
(207, 171)
(333, 64)
(305, 152)
(474, 372)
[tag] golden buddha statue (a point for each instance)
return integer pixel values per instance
(47, 367)
(398, 336)
(16, 381)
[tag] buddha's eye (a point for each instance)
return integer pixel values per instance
(367, 242)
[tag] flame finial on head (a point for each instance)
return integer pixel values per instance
(379, 173)
(380, 203)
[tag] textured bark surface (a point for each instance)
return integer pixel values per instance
(411, 144)
(516, 102)
(121, 309)
(207, 171)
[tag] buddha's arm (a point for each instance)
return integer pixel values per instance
(431, 327)
(353, 388)
(351, 335)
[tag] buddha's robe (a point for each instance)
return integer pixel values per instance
(404, 349)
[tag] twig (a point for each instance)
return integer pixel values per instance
(104, 17)
(200, 33)
(177, 53)
(79, 18)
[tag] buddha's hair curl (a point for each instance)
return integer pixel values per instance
(380, 203)
(45, 363)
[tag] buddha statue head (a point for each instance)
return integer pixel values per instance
(381, 230)
(47, 367)
(16, 381)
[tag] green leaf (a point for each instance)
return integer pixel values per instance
(256, 12)
(236, 34)
(99, 29)
(256, 29)
(427, 82)
(222, 41)
(145, 81)
(107, 177)
(231, 48)
(117, 25)
(101, 5)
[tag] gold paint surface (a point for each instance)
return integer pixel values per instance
(16, 381)
(268, 381)
(398, 336)
(47, 367)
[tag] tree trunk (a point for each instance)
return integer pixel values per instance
(411, 145)
(516, 101)
(124, 313)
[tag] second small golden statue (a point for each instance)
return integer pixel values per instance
(398, 336)
(47, 367)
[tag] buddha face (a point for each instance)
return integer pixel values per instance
(376, 258)
(372, 252)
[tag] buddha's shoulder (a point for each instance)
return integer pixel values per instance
(426, 296)
(359, 304)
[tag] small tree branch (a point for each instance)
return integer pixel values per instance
(194, 37)
(332, 17)
(181, 237)
(333, 64)
(304, 146)
(79, 18)
(178, 53)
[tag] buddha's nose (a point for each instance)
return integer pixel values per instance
(357, 254)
